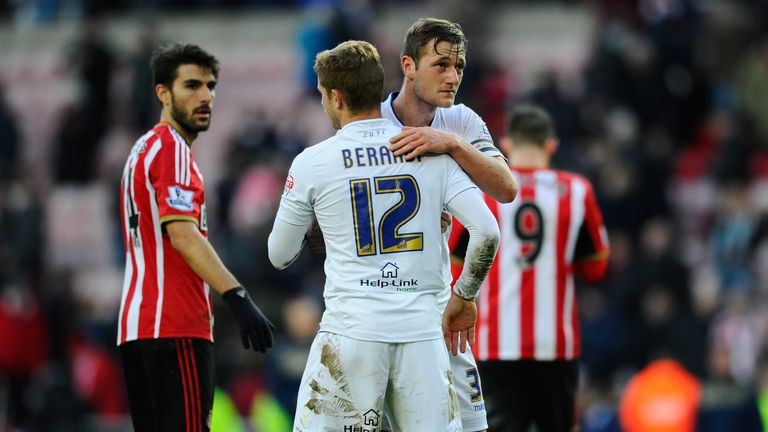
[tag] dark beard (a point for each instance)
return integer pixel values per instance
(184, 121)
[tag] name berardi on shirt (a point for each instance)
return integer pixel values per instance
(372, 156)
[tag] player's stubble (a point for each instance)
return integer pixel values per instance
(187, 120)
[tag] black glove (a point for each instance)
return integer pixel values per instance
(255, 328)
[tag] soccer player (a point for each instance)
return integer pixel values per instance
(379, 340)
(433, 62)
(528, 329)
(165, 328)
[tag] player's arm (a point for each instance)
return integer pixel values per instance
(461, 312)
(285, 243)
(200, 255)
(490, 174)
(295, 214)
(457, 246)
(180, 205)
(590, 260)
(255, 328)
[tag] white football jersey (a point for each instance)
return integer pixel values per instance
(461, 120)
(380, 217)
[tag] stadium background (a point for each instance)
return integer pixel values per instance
(663, 104)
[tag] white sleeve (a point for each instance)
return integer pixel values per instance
(458, 180)
(298, 194)
(476, 132)
(285, 243)
(293, 216)
(468, 206)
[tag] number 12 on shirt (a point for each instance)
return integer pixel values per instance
(391, 240)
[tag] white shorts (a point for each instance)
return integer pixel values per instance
(466, 380)
(347, 382)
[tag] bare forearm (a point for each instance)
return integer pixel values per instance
(490, 174)
(203, 259)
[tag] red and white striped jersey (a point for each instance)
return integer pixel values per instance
(162, 296)
(527, 305)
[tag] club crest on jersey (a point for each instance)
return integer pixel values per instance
(180, 199)
(288, 185)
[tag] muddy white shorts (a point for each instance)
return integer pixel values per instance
(466, 380)
(347, 382)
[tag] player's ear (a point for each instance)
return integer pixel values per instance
(337, 98)
(408, 65)
(551, 145)
(163, 93)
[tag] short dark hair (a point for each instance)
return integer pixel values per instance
(426, 29)
(530, 124)
(166, 60)
(354, 68)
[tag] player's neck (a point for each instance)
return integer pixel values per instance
(189, 137)
(411, 110)
(528, 157)
(347, 117)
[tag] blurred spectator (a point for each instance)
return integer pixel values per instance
(565, 114)
(84, 123)
(733, 237)
(751, 86)
(301, 320)
(489, 96)
(740, 330)
(663, 397)
(9, 139)
(54, 405)
(326, 24)
(145, 107)
(602, 324)
(24, 349)
(76, 142)
(92, 59)
(97, 378)
(663, 327)
(598, 407)
(725, 404)
(601, 331)
(314, 36)
(21, 232)
(657, 264)
(617, 188)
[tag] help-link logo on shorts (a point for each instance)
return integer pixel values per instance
(371, 419)
(180, 199)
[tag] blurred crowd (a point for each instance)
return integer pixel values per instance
(668, 117)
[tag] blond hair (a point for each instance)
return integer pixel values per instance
(354, 68)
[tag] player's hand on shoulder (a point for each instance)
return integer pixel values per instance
(416, 141)
(255, 328)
